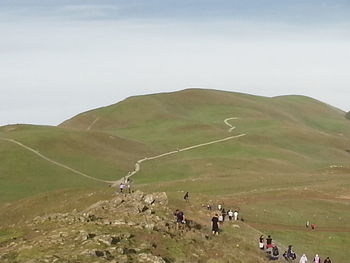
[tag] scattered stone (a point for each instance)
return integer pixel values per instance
(99, 253)
(149, 258)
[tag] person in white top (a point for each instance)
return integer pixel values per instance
(121, 187)
(235, 214)
(317, 259)
(303, 259)
(230, 214)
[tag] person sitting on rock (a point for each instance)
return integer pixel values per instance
(275, 253)
(290, 253)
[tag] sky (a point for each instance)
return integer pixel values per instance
(61, 58)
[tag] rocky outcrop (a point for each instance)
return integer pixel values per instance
(107, 231)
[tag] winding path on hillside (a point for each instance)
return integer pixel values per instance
(137, 164)
(53, 161)
(92, 124)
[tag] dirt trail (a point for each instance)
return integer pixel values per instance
(55, 162)
(137, 164)
(298, 228)
(92, 124)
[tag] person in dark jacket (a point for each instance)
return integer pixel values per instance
(215, 225)
(268, 242)
(187, 197)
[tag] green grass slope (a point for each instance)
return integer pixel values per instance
(23, 173)
(292, 165)
(290, 133)
(296, 148)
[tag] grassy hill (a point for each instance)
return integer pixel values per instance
(292, 165)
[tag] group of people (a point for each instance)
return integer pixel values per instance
(125, 185)
(219, 218)
(313, 225)
(267, 244)
(273, 253)
(222, 214)
(316, 259)
(271, 249)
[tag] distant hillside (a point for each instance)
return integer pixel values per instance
(289, 132)
(280, 161)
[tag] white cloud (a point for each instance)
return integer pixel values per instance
(52, 71)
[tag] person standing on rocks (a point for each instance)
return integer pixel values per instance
(215, 225)
(121, 187)
(327, 260)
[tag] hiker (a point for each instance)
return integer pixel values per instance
(307, 224)
(209, 207)
(221, 219)
(317, 259)
(290, 253)
(121, 187)
(261, 242)
(327, 260)
(223, 213)
(180, 218)
(303, 259)
(268, 242)
(186, 197)
(214, 224)
(230, 215)
(219, 207)
(235, 215)
(275, 253)
(129, 188)
(313, 226)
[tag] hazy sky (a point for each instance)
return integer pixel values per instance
(59, 58)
